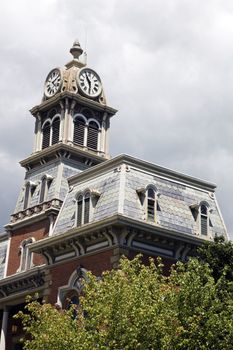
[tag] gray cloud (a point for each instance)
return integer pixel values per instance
(166, 65)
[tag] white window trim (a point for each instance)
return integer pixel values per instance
(26, 258)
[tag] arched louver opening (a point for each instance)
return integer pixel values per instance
(151, 205)
(204, 220)
(86, 208)
(55, 130)
(79, 210)
(46, 136)
(92, 136)
(79, 130)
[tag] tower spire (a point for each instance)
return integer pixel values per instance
(76, 50)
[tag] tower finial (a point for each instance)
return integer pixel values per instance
(76, 50)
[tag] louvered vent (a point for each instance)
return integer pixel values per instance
(151, 210)
(79, 129)
(92, 137)
(79, 210)
(86, 208)
(204, 225)
(204, 220)
(56, 131)
(46, 136)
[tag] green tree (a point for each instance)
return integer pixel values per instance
(136, 307)
(219, 255)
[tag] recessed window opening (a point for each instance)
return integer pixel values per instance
(26, 256)
(204, 219)
(151, 204)
(83, 209)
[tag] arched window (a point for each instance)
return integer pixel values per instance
(204, 220)
(44, 187)
(92, 135)
(55, 130)
(83, 209)
(29, 190)
(46, 135)
(79, 131)
(86, 208)
(26, 256)
(151, 204)
(79, 210)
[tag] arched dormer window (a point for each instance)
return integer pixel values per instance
(25, 255)
(83, 209)
(79, 131)
(204, 219)
(92, 135)
(151, 204)
(46, 135)
(55, 130)
(29, 190)
(45, 184)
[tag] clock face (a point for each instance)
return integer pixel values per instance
(53, 83)
(89, 82)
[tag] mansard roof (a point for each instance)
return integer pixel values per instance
(118, 183)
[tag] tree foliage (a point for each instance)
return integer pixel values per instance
(136, 307)
(219, 256)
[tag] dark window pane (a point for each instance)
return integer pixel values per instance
(151, 193)
(86, 209)
(79, 209)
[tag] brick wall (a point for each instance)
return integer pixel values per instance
(37, 230)
(61, 273)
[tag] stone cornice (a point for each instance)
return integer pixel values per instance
(78, 98)
(106, 226)
(54, 152)
(157, 170)
(23, 283)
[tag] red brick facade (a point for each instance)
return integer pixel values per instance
(37, 230)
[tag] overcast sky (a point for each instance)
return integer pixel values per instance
(166, 65)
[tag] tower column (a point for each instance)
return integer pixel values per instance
(4, 328)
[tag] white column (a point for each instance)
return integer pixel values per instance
(4, 328)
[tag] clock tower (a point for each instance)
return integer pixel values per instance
(71, 134)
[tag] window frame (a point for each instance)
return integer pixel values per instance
(86, 134)
(204, 216)
(151, 204)
(26, 257)
(83, 201)
(50, 122)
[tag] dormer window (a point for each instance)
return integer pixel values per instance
(204, 220)
(45, 184)
(151, 204)
(29, 190)
(83, 209)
